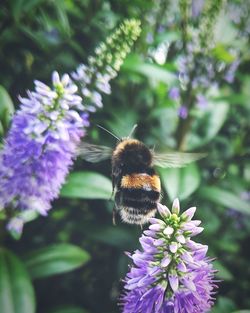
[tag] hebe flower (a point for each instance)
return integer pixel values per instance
(94, 78)
(183, 112)
(40, 147)
(171, 274)
(42, 142)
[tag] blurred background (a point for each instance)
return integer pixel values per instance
(187, 86)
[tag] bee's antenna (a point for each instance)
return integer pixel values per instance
(109, 132)
(132, 130)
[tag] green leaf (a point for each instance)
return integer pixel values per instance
(63, 18)
(87, 185)
(122, 121)
(180, 182)
(242, 311)
(222, 54)
(55, 259)
(225, 198)
(31, 4)
(16, 290)
(206, 127)
(168, 36)
(16, 9)
(29, 215)
(68, 310)
(114, 236)
(1, 130)
(223, 272)
(6, 107)
(153, 71)
(223, 305)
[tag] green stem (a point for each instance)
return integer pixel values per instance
(2, 231)
(188, 98)
(184, 9)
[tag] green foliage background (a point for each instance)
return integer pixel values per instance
(38, 36)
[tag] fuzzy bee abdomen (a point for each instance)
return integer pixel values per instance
(141, 181)
(137, 196)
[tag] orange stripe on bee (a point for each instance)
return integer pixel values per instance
(141, 181)
(124, 143)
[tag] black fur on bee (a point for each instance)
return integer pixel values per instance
(137, 186)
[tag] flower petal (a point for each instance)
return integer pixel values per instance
(173, 247)
(189, 284)
(156, 227)
(163, 210)
(173, 281)
(181, 239)
(188, 214)
(176, 206)
(154, 220)
(168, 231)
(165, 262)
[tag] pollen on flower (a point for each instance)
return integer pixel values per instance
(171, 274)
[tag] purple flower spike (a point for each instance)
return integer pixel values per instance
(202, 101)
(174, 93)
(174, 276)
(40, 148)
(94, 78)
(230, 73)
(183, 112)
(197, 6)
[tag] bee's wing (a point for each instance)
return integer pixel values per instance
(93, 153)
(175, 159)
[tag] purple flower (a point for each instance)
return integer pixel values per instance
(149, 38)
(15, 225)
(171, 274)
(161, 29)
(201, 101)
(93, 79)
(183, 112)
(42, 142)
(245, 195)
(85, 76)
(197, 6)
(174, 93)
(230, 73)
(40, 147)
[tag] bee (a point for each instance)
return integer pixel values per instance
(136, 185)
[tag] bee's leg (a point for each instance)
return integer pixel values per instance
(113, 187)
(116, 206)
(115, 213)
(114, 182)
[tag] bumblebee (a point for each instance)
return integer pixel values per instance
(136, 185)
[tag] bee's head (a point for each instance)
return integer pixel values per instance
(133, 153)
